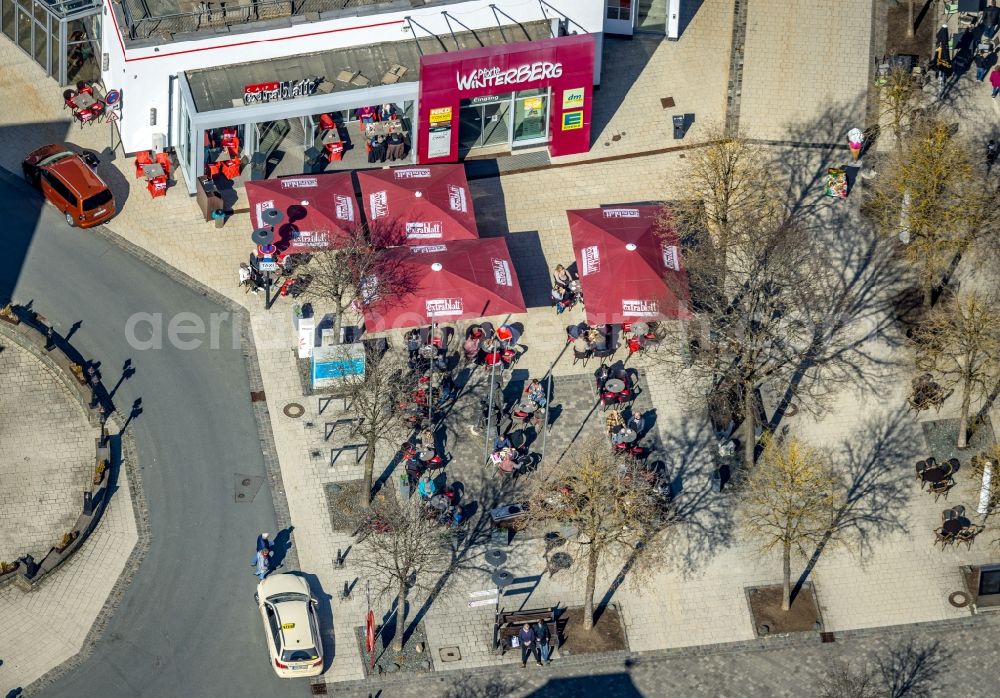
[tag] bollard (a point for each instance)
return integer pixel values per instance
(30, 567)
(346, 594)
(340, 559)
(88, 504)
(717, 480)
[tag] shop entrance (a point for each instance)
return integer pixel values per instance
(483, 122)
(282, 144)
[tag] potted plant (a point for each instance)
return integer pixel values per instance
(77, 370)
(8, 567)
(66, 540)
(7, 313)
(99, 471)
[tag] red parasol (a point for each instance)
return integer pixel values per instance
(629, 270)
(433, 201)
(319, 209)
(451, 281)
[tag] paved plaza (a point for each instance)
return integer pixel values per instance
(804, 79)
(48, 447)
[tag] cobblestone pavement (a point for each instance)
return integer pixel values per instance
(912, 661)
(48, 447)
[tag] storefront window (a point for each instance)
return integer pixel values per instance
(531, 115)
(54, 53)
(41, 43)
(40, 13)
(83, 49)
(620, 9)
(7, 10)
(24, 30)
(484, 122)
(224, 151)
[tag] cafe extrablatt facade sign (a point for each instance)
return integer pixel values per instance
(263, 92)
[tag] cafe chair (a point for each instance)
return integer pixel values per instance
(968, 535)
(143, 157)
(579, 356)
(84, 116)
(230, 169)
(85, 88)
(97, 108)
(157, 186)
(68, 102)
(943, 538)
(942, 488)
(233, 146)
(163, 160)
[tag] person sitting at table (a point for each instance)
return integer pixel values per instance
(414, 469)
(601, 376)
(426, 487)
(395, 146)
(536, 392)
(562, 277)
(386, 112)
(636, 423)
(614, 422)
(367, 115)
(582, 344)
(425, 439)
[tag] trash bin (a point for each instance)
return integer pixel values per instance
(258, 166)
(679, 122)
(219, 216)
(208, 196)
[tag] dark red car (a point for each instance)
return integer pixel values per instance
(68, 181)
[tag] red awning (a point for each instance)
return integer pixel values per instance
(459, 280)
(432, 202)
(318, 209)
(628, 270)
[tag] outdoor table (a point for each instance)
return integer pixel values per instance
(951, 527)
(492, 357)
(218, 155)
(84, 100)
(640, 328)
(153, 171)
(427, 352)
(614, 385)
(439, 502)
(627, 436)
(934, 475)
(527, 405)
(426, 455)
(331, 135)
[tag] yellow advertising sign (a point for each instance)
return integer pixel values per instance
(573, 99)
(572, 120)
(533, 104)
(440, 115)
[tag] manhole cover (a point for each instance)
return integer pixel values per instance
(450, 654)
(496, 557)
(958, 599)
(294, 410)
(247, 487)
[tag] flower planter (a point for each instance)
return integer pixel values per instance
(99, 471)
(9, 316)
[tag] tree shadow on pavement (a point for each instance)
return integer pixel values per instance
(619, 685)
(911, 669)
(324, 614)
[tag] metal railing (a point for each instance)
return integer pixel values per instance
(212, 15)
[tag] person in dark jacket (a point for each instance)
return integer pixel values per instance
(542, 638)
(526, 638)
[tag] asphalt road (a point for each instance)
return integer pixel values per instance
(187, 624)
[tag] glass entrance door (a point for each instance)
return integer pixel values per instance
(652, 16)
(531, 123)
(483, 122)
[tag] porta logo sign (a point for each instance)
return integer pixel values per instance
(494, 77)
(344, 207)
(591, 260)
(621, 212)
(379, 204)
(501, 272)
(437, 307)
(457, 200)
(640, 308)
(422, 230)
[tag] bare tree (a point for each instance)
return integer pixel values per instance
(959, 342)
(899, 98)
(933, 196)
(358, 272)
(376, 398)
(613, 505)
(789, 502)
(845, 680)
(402, 548)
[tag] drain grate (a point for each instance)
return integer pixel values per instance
(247, 487)
(826, 637)
(257, 396)
(318, 689)
(450, 654)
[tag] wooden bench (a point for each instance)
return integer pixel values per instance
(508, 625)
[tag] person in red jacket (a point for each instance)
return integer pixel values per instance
(995, 80)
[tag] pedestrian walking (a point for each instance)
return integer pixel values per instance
(542, 638)
(526, 638)
(991, 154)
(995, 80)
(262, 564)
(264, 542)
(991, 20)
(981, 66)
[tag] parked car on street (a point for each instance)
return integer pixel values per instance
(291, 627)
(68, 182)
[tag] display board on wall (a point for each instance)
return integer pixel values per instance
(439, 133)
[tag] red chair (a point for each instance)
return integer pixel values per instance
(213, 169)
(326, 122)
(84, 87)
(231, 169)
(84, 116)
(233, 146)
(157, 186)
(163, 159)
(97, 109)
(68, 102)
(143, 157)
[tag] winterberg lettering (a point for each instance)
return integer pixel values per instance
(379, 203)
(494, 77)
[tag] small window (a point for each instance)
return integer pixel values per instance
(60, 189)
(98, 199)
(272, 621)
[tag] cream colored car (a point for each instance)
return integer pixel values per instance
(290, 626)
